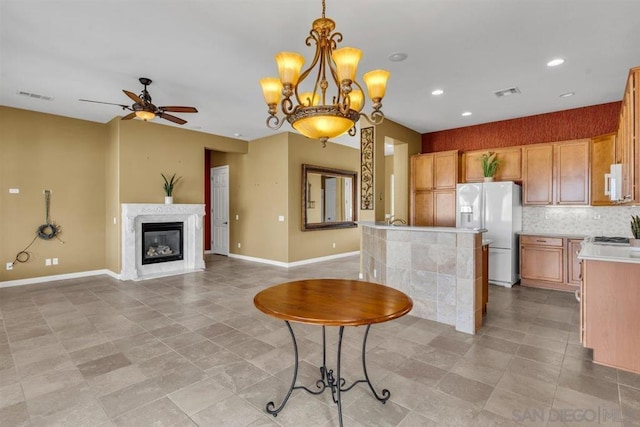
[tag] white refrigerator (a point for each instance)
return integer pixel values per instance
(496, 207)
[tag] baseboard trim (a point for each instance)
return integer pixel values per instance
(295, 263)
(42, 279)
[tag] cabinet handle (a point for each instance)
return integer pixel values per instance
(541, 241)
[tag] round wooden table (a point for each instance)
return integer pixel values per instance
(332, 302)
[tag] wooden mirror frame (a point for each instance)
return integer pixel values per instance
(338, 173)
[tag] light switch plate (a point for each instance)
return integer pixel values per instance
(14, 191)
(281, 218)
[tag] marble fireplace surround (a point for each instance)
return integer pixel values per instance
(135, 214)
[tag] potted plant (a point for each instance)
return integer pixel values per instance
(168, 187)
(635, 230)
(489, 165)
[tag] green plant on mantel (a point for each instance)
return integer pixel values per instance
(169, 184)
(635, 226)
(489, 164)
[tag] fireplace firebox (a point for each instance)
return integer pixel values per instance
(162, 242)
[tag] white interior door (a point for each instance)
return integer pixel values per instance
(220, 210)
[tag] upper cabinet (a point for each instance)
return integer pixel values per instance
(509, 164)
(556, 174)
(603, 149)
(572, 172)
(537, 174)
(626, 149)
(434, 171)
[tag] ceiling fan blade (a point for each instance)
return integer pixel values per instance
(108, 103)
(177, 109)
(133, 96)
(171, 118)
(129, 116)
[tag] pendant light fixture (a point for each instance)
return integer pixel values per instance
(332, 104)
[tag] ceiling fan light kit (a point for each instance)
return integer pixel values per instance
(144, 109)
(311, 111)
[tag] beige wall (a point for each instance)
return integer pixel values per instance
(112, 197)
(318, 243)
(388, 171)
(42, 151)
(266, 183)
(402, 134)
(401, 159)
(91, 168)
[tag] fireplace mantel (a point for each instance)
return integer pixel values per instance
(135, 214)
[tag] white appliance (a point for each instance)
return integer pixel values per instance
(496, 207)
(613, 183)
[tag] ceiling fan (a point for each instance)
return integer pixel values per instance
(145, 110)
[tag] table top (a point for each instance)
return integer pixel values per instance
(333, 302)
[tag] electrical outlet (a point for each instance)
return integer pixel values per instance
(281, 218)
(9, 266)
(239, 245)
(14, 191)
(237, 217)
(54, 261)
(115, 220)
(334, 245)
(47, 261)
(375, 273)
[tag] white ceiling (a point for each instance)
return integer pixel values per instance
(211, 53)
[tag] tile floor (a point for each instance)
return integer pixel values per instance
(192, 350)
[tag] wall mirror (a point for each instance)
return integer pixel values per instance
(328, 198)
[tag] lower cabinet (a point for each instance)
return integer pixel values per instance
(550, 262)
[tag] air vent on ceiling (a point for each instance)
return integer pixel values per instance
(507, 92)
(35, 96)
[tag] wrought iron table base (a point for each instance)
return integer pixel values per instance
(327, 380)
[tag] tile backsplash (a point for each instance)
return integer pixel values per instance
(588, 220)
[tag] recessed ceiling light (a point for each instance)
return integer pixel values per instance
(466, 113)
(437, 92)
(567, 94)
(398, 57)
(555, 62)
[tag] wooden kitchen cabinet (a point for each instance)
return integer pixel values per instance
(574, 267)
(433, 183)
(609, 302)
(550, 262)
(423, 208)
(537, 174)
(627, 138)
(556, 174)
(422, 172)
(445, 167)
(444, 208)
(542, 260)
(509, 166)
(603, 149)
(572, 172)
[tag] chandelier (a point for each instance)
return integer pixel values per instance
(307, 106)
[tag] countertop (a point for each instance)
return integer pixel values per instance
(558, 235)
(613, 253)
(383, 225)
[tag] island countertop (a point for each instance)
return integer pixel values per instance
(613, 253)
(384, 226)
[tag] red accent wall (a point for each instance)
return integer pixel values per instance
(578, 123)
(207, 200)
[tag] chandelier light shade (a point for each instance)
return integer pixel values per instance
(330, 102)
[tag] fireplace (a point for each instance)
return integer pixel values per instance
(162, 242)
(173, 233)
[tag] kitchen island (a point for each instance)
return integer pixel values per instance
(609, 301)
(440, 268)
